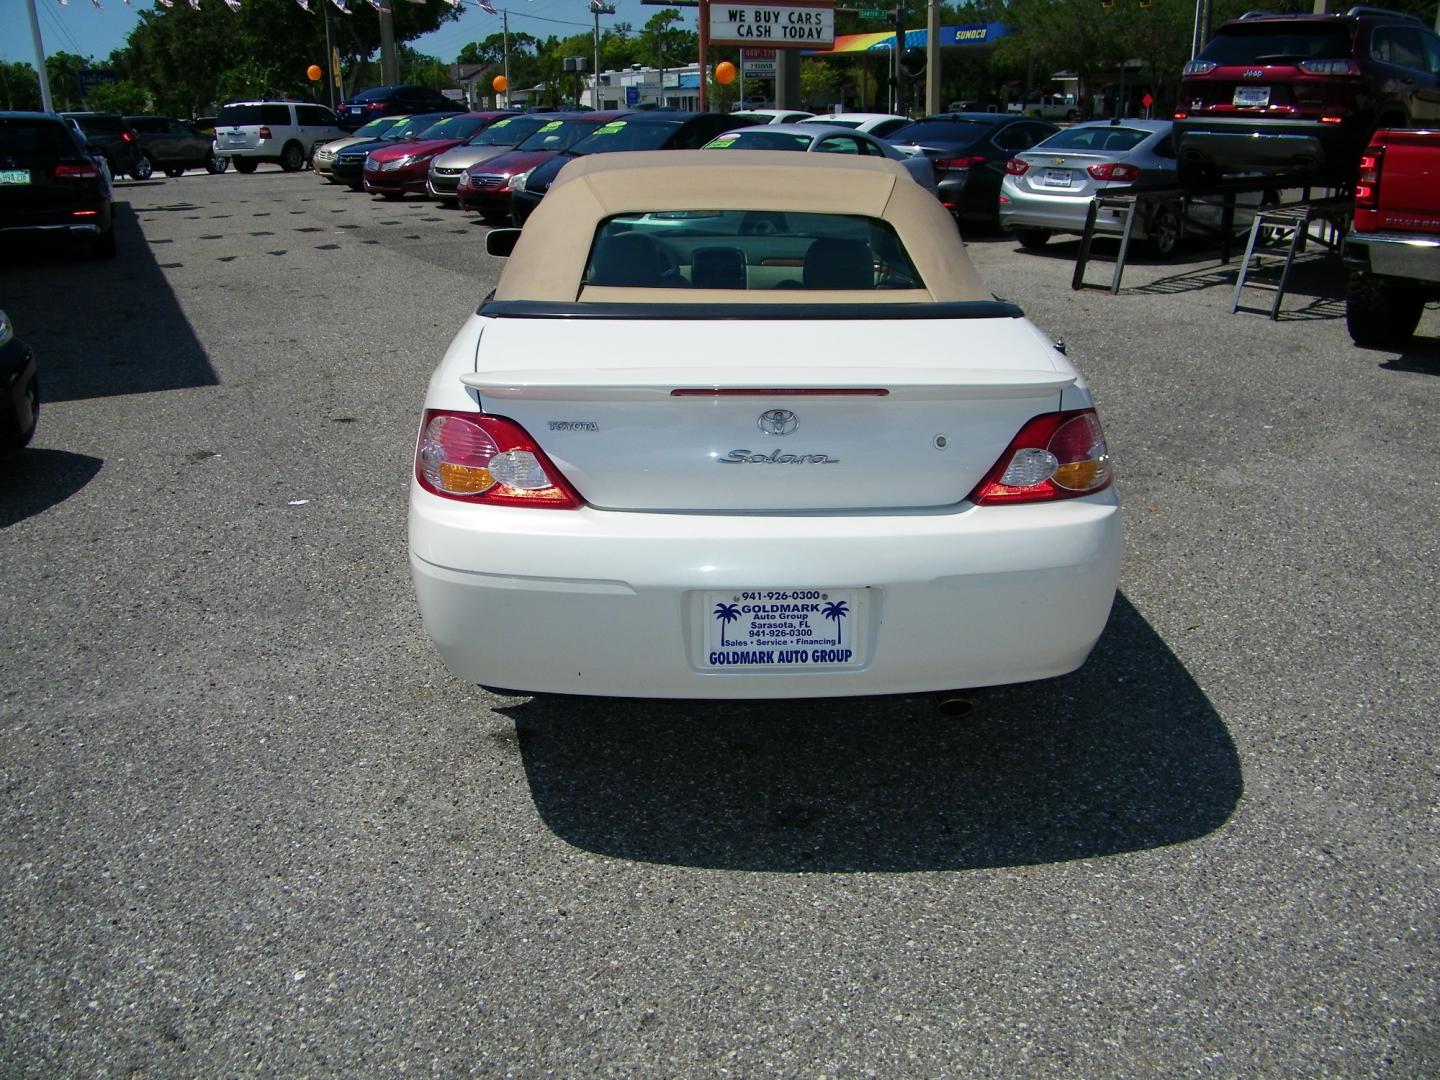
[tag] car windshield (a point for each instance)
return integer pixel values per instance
(963, 132)
(456, 127)
(26, 142)
(375, 128)
(1262, 44)
(557, 134)
(507, 132)
(748, 250)
(1096, 137)
(758, 138)
(413, 128)
(626, 135)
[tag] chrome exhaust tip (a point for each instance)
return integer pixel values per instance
(953, 703)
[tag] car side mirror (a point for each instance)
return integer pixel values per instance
(501, 242)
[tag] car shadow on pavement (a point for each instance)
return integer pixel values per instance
(101, 327)
(1126, 754)
(34, 480)
(1421, 357)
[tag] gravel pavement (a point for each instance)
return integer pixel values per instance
(252, 827)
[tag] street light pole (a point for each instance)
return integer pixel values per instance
(46, 104)
(598, 8)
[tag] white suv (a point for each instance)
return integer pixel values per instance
(285, 132)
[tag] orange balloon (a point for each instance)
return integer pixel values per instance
(315, 71)
(500, 84)
(725, 73)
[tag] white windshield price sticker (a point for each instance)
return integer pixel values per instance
(799, 24)
(783, 628)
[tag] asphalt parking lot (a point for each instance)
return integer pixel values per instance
(251, 826)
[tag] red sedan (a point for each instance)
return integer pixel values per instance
(485, 187)
(398, 170)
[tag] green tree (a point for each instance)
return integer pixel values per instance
(421, 70)
(64, 69)
(19, 86)
(122, 97)
(189, 60)
(819, 84)
(664, 43)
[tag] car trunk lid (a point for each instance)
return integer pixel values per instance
(774, 415)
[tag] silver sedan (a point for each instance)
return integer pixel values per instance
(816, 138)
(1047, 189)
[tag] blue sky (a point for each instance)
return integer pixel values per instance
(80, 28)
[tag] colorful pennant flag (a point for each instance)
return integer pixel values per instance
(380, 5)
(343, 5)
(484, 6)
(233, 5)
(304, 5)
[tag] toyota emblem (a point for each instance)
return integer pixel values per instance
(778, 421)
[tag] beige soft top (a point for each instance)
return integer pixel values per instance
(549, 259)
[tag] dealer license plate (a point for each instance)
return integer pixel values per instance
(14, 176)
(1056, 178)
(784, 629)
(1252, 95)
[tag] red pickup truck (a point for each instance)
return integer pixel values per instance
(1393, 251)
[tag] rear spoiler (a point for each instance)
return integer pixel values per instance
(907, 383)
(681, 311)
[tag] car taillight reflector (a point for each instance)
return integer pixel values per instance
(264, 132)
(1329, 67)
(487, 459)
(959, 162)
(1367, 184)
(1016, 167)
(75, 172)
(1113, 170)
(1056, 456)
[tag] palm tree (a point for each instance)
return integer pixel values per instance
(837, 610)
(726, 613)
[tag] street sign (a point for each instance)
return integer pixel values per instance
(632, 95)
(875, 13)
(792, 24)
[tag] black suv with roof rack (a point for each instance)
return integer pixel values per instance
(1300, 95)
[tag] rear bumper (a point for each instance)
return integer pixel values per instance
(1249, 144)
(613, 604)
(1403, 255)
(1059, 213)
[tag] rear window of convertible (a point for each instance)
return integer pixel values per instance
(748, 250)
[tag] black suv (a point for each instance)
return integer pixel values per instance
(108, 134)
(392, 101)
(50, 184)
(1301, 94)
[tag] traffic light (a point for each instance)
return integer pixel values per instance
(912, 61)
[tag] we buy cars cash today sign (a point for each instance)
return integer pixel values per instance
(795, 24)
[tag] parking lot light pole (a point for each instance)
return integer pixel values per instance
(598, 8)
(46, 104)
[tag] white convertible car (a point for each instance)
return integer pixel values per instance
(750, 426)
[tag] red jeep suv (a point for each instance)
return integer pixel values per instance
(1302, 94)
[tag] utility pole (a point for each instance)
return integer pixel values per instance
(389, 60)
(46, 104)
(505, 49)
(703, 58)
(598, 8)
(932, 57)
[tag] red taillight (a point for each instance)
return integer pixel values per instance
(1114, 170)
(125, 136)
(1180, 116)
(959, 162)
(487, 459)
(1016, 167)
(1056, 456)
(264, 133)
(1367, 184)
(84, 213)
(75, 172)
